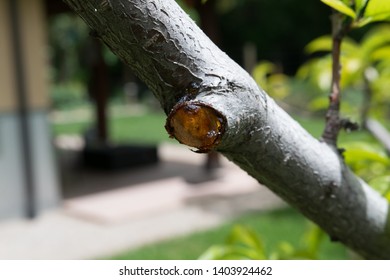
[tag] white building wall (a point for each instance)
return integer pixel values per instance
(12, 195)
(31, 30)
(12, 180)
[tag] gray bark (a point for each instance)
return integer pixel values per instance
(184, 69)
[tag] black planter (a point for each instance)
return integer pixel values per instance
(115, 157)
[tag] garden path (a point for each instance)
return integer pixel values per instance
(106, 213)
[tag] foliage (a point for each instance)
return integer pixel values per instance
(382, 185)
(347, 15)
(365, 69)
(366, 159)
(72, 52)
(274, 82)
(68, 95)
(273, 226)
(367, 62)
(244, 243)
(362, 12)
(371, 163)
(67, 35)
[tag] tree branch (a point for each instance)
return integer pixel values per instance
(334, 123)
(213, 103)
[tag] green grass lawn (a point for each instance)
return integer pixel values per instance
(315, 127)
(144, 128)
(273, 227)
(148, 127)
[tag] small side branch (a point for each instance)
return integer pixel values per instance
(334, 123)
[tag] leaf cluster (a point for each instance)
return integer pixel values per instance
(243, 243)
(364, 64)
(271, 79)
(371, 163)
(362, 12)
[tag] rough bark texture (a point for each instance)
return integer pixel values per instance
(184, 68)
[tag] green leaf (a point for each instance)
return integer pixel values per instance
(278, 86)
(241, 244)
(312, 239)
(225, 252)
(323, 43)
(319, 103)
(377, 37)
(284, 251)
(377, 10)
(361, 151)
(246, 237)
(381, 54)
(381, 184)
(351, 70)
(359, 4)
(215, 252)
(261, 72)
(235, 251)
(360, 8)
(362, 22)
(317, 72)
(341, 7)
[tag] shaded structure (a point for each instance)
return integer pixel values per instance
(28, 175)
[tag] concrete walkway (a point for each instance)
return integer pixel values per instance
(107, 213)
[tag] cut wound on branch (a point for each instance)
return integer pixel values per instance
(196, 124)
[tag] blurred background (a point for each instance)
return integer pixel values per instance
(88, 171)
